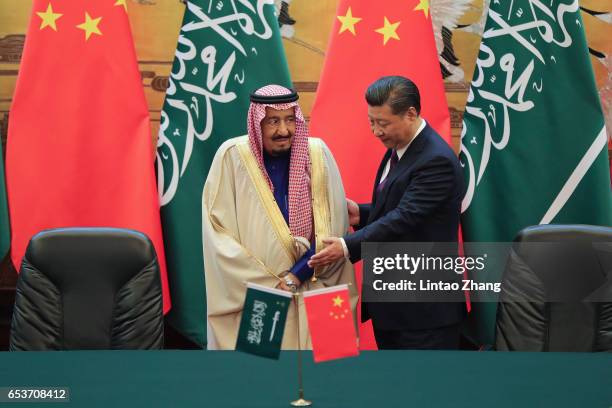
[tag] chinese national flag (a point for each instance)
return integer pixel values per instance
(371, 39)
(79, 145)
(331, 323)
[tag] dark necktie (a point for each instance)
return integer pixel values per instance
(392, 162)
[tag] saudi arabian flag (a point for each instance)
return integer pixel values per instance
(225, 51)
(5, 238)
(263, 321)
(533, 147)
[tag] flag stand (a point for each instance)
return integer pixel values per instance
(300, 402)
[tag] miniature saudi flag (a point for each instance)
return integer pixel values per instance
(263, 321)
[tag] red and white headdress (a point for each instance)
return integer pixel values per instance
(300, 206)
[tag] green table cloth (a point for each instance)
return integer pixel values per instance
(374, 379)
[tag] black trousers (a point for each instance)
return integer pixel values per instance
(440, 338)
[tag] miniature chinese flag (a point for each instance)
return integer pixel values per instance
(331, 323)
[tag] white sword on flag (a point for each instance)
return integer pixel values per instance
(274, 320)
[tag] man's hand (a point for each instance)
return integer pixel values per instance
(330, 254)
(353, 212)
(283, 285)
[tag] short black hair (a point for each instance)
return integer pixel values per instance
(398, 92)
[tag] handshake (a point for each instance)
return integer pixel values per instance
(335, 248)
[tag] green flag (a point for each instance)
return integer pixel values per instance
(5, 239)
(263, 321)
(225, 51)
(533, 146)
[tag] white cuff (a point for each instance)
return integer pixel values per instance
(345, 248)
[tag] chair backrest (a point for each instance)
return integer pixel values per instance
(557, 290)
(88, 288)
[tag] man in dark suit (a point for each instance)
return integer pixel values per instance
(417, 198)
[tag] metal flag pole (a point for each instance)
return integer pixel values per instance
(300, 402)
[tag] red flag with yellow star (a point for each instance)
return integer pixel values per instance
(371, 39)
(79, 150)
(331, 323)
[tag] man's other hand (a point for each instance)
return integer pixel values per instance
(330, 254)
(284, 286)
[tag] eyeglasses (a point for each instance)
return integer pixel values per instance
(275, 122)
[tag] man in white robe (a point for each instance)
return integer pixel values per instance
(269, 199)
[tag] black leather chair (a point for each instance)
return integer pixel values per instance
(556, 290)
(88, 288)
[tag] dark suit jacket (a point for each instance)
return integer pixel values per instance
(420, 202)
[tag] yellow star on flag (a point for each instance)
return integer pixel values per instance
(121, 3)
(90, 26)
(48, 18)
(348, 22)
(338, 301)
(423, 6)
(388, 31)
